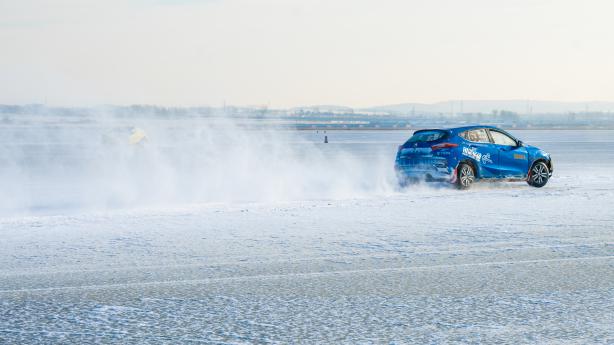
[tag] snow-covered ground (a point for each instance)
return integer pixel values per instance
(333, 254)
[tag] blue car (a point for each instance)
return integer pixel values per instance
(465, 154)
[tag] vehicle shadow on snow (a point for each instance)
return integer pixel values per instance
(482, 185)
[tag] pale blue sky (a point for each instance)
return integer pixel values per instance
(298, 52)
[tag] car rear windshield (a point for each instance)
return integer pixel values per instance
(426, 136)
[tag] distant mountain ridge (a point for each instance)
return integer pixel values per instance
(488, 106)
(452, 107)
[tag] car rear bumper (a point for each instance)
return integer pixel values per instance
(427, 173)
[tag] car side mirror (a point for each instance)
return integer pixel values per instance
(519, 143)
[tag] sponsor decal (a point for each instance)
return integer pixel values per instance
(471, 152)
(486, 159)
(519, 156)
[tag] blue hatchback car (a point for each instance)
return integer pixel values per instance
(465, 154)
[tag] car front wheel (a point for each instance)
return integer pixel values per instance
(466, 176)
(539, 175)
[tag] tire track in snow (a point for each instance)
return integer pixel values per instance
(306, 274)
(281, 258)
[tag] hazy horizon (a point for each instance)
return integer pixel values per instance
(448, 106)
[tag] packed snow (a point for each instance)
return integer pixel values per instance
(224, 234)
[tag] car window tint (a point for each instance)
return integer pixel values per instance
(426, 136)
(477, 135)
(502, 139)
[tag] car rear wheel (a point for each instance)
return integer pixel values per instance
(466, 176)
(539, 175)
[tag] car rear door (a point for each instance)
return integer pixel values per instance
(477, 146)
(513, 159)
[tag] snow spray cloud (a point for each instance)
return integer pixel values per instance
(106, 161)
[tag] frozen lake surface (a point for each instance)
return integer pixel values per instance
(311, 247)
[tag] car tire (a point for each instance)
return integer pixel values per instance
(538, 175)
(465, 176)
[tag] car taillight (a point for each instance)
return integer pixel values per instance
(443, 146)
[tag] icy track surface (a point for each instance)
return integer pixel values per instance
(500, 263)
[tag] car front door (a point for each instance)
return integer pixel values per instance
(513, 159)
(478, 147)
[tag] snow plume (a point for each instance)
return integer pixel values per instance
(52, 164)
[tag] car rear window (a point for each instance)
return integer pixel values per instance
(426, 136)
